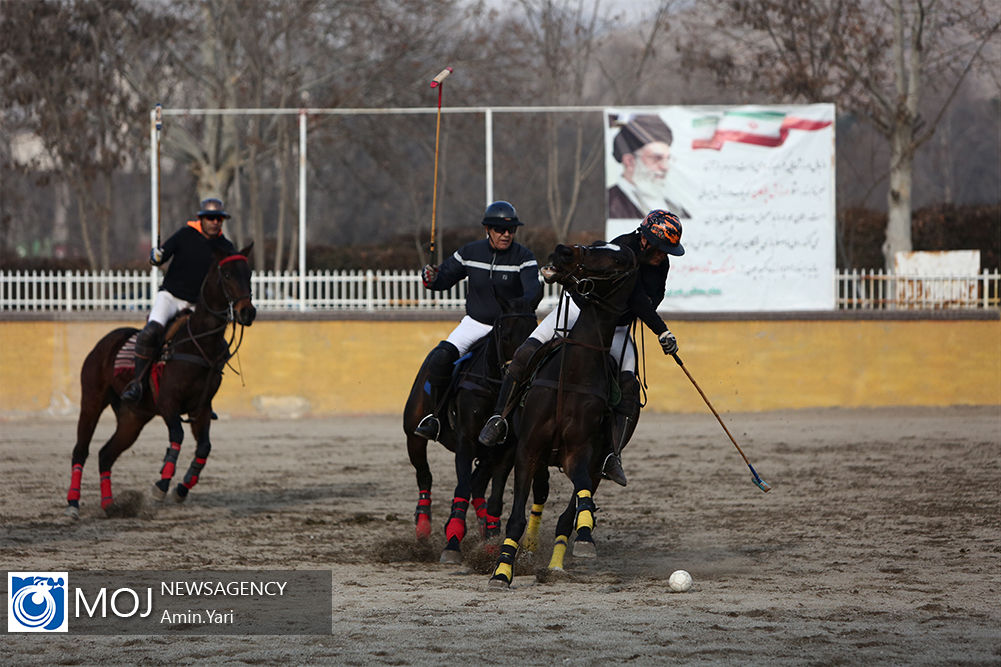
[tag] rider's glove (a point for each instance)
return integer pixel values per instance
(429, 274)
(155, 256)
(668, 342)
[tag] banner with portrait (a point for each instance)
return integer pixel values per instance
(754, 188)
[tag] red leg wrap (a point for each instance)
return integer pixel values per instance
(75, 477)
(493, 522)
(456, 526)
(192, 477)
(481, 507)
(170, 461)
(105, 489)
(422, 517)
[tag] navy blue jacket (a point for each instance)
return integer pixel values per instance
(513, 273)
(192, 257)
(651, 283)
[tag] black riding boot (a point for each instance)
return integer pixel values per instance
(495, 430)
(626, 414)
(148, 344)
(439, 364)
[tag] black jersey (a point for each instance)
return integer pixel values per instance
(513, 273)
(651, 283)
(192, 255)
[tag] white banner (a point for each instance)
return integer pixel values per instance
(754, 188)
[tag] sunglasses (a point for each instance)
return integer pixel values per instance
(502, 230)
(214, 218)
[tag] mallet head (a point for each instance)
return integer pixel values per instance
(441, 76)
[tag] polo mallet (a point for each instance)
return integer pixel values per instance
(762, 484)
(159, 127)
(437, 82)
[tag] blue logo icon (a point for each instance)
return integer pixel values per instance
(36, 601)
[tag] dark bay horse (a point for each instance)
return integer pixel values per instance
(196, 353)
(565, 419)
(469, 402)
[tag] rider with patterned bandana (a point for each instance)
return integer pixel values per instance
(191, 248)
(496, 266)
(658, 236)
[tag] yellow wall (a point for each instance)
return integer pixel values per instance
(291, 368)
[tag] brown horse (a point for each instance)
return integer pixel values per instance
(469, 402)
(196, 352)
(565, 419)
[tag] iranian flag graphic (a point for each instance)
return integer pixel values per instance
(758, 127)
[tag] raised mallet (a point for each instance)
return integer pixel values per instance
(437, 82)
(762, 484)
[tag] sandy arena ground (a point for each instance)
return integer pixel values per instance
(880, 543)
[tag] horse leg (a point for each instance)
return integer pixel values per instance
(478, 489)
(540, 494)
(417, 448)
(583, 484)
(200, 429)
(455, 528)
(564, 526)
(175, 432)
(92, 404)
(130, 424)
(504, 569)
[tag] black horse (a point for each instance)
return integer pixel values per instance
(197, 349)
(468, 403)
(565, 419)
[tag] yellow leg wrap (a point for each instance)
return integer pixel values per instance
(559, 551)
(531, 540)
(508, 542)
(585, 519)
(504, 570)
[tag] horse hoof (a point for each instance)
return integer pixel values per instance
(157, 493)
(499, 583)
(584, 550)
(72, 512)
(451, 557)
(180, 494)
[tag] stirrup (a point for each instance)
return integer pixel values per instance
(494, 431)
(133, 391)
(612, 469)
(429, 427)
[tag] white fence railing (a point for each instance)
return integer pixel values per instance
(402, 291)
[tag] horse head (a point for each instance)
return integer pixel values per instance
(232, 279)
(591, 270)
(515, 323)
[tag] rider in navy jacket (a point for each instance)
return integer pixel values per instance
(496, 266)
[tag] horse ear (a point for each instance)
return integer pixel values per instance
(246, 251)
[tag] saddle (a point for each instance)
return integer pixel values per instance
(125, 359)
(610, 392)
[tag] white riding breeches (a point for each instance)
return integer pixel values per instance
(165, 306)
(565, 315)
(466, 333)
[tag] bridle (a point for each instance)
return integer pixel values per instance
(584, 286)
(225, 315)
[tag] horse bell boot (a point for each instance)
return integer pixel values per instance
(148, 343)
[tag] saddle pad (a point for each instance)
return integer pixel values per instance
(125, 365)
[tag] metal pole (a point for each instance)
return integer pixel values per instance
(488, 142)
(302, 209)
(154, 189)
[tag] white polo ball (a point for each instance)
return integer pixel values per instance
(680, 581)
